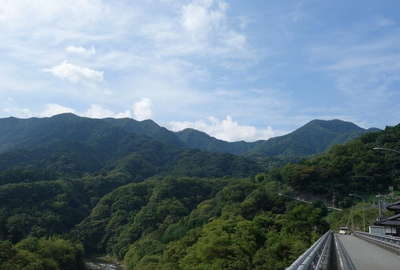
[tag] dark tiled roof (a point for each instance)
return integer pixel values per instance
(393, 220)
(390, 222)
(393, 217)
(394, 206)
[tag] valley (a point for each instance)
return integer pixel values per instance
(110, 187)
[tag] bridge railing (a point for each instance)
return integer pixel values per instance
(317, 256)
(343, 260)
(327, 253)
(389, 242)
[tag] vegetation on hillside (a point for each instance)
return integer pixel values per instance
(157, 205)
(351, 168)
(313, 138)
(41, 254)
(186, 223)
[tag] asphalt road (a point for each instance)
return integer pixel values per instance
(367, 256)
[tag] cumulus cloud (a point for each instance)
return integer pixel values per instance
(81, 50)
(158, 63)
(97, 111)
(142, 109)
(226, 129)
(54, 109)
(206, 28)
(75, 73)
(17, 112)
(199, 17)
(202, 27)
(94, 111)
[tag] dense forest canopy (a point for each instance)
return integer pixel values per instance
(353, 168)
(155, 204)
(312, 138)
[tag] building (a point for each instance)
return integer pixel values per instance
(391, 224)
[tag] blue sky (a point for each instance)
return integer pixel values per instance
(235, 69)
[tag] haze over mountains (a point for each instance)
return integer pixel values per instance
(70, 145)
(67, 144)
(144, 195)
(312, 138)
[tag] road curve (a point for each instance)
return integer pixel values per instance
(367, 256)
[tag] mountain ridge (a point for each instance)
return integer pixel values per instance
(312, 138)
(331, 131)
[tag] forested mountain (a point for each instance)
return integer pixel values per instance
(313, 138)
(188, 223)
(69, 145)
(28, 133)
(157, 204)
(352, 168)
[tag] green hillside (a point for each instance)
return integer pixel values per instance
(105, 190)
(186, 223)
(352, 168)
(313, 138)
(27, 133)
(67, 145)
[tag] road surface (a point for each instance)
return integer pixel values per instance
(367, 256)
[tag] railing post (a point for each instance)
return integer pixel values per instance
(316, 257)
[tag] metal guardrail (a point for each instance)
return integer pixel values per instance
(343, 260)
(317, 256)
(388, 242)
(320, 255)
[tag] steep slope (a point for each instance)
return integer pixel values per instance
(178, 223)
(27, 133)
(352, 168)
(70, 145)
(199, 140)
(313, 138)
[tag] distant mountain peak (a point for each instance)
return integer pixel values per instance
(331, 121)
(150, 123)
(314, 137)
(193, 131)
(65, 116)
(335, 125)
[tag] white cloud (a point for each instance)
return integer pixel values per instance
(226, 129)
(202, 16)
(207, 25)
(142, 109)
(202, 28)
(81, 50)
(75, 73)
(17, 112)
(364, 72)
(54, 14)
(97, 111)
(94, 111)
(164, 56)
(54, 109)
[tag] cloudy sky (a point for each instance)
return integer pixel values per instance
(235, 69)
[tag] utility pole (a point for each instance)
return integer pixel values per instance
(363, 208)
(364, 217)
